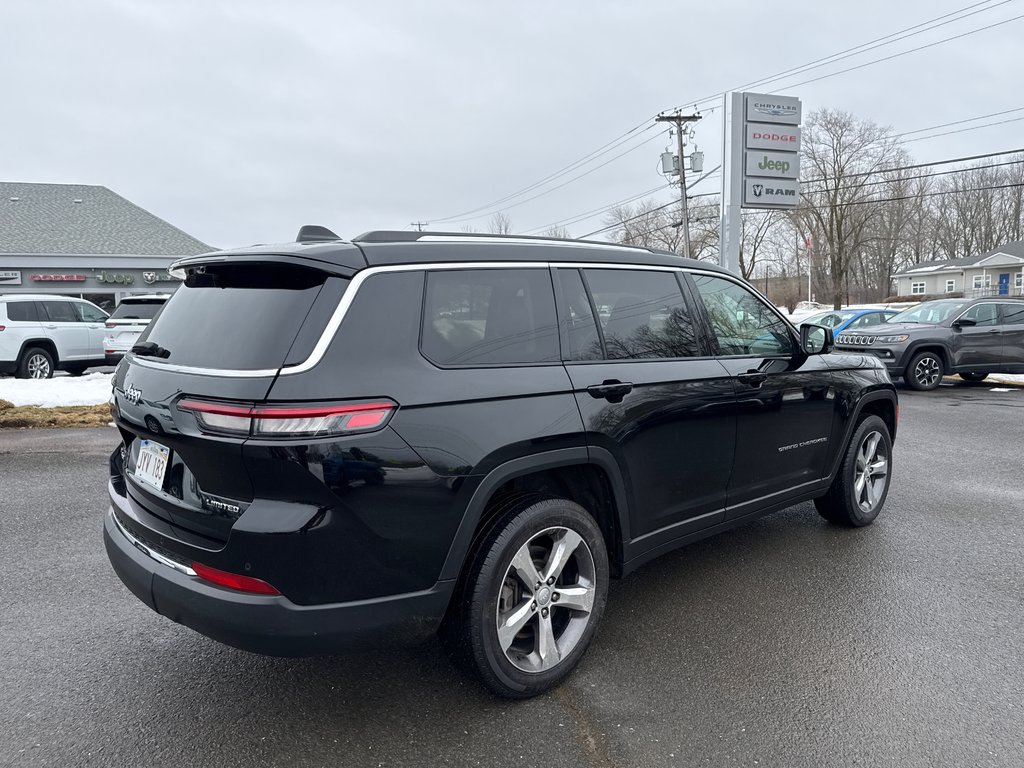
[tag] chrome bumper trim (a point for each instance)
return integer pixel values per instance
(172, 564)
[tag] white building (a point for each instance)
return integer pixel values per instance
(999, 272)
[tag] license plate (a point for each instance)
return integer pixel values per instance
(152, 463)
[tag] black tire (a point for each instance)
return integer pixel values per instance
(975, 377)
(75, 370)
(846, 503)
(35, 363)
(925, 371)
(532, 525)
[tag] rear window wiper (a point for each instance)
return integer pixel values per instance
(150, 349)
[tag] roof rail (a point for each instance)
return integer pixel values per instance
(404, 236)
(313, 233)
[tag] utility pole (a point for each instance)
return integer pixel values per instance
(419, 224)
(679, 120)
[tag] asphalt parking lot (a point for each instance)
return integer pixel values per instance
(783, 643)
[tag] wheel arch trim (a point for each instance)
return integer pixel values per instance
(851, 426)
(526, 465)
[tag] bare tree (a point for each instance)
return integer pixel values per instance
(840, 155)
(557, 232)
(500, 224)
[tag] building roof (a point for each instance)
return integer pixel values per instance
(83, 219)
(940, 266)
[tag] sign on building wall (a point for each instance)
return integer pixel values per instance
(10, 277)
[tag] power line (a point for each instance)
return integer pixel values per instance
(904, 53)
(603, 149)
(930, 24)
(964, 130)
(862, 48)
(575, 218)
(563, 184)
(958, 122)
(930, 175)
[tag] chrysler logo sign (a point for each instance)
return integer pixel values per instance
(774, 109)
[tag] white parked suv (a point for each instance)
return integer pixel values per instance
(127, 322)
(40, 334)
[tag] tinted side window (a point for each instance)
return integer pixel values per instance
(1013, 314)
(982, 314)
(59, 311)
(89, 314)
(22, 310)
(490, 317)
(579, 328)
(643, 314)
(742, 323)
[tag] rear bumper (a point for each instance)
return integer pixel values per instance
(114, 358)
(269, 625)
(8, 367)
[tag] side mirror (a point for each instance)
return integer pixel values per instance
(964, 322)
(816, 339)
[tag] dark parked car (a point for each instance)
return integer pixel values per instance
(969, 337)
(412, 431)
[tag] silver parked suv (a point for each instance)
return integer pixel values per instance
(40, 334)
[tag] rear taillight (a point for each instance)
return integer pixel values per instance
(3, 327)
(234, 580)
(290, 420)
(110, 325)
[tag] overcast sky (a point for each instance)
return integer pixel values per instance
(240, 121)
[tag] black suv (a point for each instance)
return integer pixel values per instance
(969, 337)
(332, 442)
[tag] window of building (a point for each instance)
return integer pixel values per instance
(490, 317)
(982, 281)
(643, 314)
(950, 286)
(917, 289)
(742, 323)
(1018, 280)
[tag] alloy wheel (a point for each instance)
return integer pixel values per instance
(926, 372)
(38, 367)
(871, 472)
(546, 598)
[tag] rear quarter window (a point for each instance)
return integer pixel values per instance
(22, 310)
(489, 317)
(242, 316)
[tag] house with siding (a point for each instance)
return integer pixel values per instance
(999, 272)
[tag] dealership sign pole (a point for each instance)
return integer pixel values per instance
(761, 155)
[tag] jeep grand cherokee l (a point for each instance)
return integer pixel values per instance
(969, 337)
(412, 431)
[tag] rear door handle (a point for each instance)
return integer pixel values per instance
(754, 378)
(51, 327)
(611, 390)
(994, 330)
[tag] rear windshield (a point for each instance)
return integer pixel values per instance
(239, 316)
(136, 310)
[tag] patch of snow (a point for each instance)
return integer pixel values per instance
(92, 389)
(1006, 378)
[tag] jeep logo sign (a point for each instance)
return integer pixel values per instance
(776, 165)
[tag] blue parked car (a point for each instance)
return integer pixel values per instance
(843, 319)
